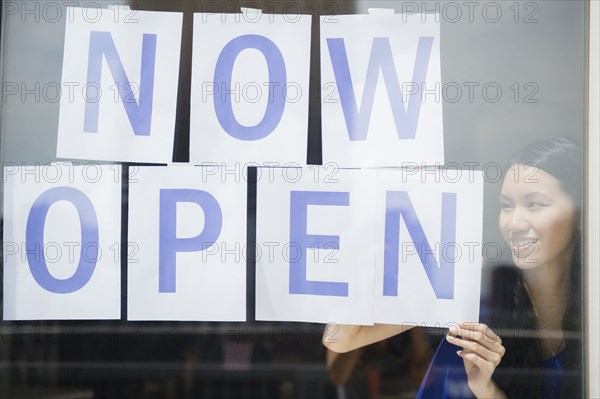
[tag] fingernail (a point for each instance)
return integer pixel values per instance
(459, 353)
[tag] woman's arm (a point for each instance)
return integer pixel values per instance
(343, 338)
(341, 365)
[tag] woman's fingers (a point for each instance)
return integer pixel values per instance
(492, 355)
(480, 330)
(478, 361)
(479, 333)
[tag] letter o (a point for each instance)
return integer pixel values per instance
(34, 237)
(223, 76)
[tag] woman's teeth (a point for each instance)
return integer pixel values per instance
(523, 243)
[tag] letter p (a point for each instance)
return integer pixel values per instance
(169, 244)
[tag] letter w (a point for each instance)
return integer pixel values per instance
(139, 114)
(381, 58)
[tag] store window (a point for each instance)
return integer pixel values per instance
(512, 74)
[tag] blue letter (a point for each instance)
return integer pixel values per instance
(299, 201)
(140, 115)
(440, 276)
(382, 59)
(169, 244)
(277, 76)
(34, 237)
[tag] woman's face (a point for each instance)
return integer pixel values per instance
(537, 218)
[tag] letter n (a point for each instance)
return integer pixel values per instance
(139, 111)
(441, 276)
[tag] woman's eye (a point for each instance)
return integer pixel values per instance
(535, 204)
(505, 206)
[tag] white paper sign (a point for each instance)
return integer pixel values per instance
(429, 236)
(62, 242)
(120, 78)
(315, 259)
(250, 83)
(187, 239)
(379, 85)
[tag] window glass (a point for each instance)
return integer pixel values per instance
(512, 73)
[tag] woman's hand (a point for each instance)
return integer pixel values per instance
(482, 353)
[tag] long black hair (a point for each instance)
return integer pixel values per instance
(521, 372)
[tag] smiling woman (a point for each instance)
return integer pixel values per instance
(541, 222)
(535, 307)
